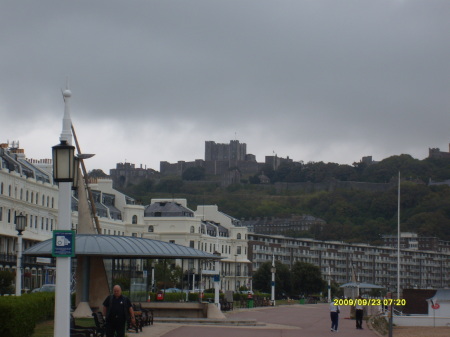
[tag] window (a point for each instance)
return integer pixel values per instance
(171, 241)
(238, 236)
(32, 197)
(192, 229)
(150, 229)
(191, 244)
(1, 188)
(1, 213)
(238, 250)
(134, 220)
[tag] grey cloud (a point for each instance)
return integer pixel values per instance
(294, 75)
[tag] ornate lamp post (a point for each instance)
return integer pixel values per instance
(64, 167)
(21, 222)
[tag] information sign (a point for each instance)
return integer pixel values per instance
(63, 243)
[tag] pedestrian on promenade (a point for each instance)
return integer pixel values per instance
(334, 315)
(359, 312)
(117, 309)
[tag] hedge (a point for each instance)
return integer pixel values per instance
(19, 315)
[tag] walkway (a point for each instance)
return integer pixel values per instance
(311, 320)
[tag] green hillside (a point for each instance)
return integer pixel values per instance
(354, 215)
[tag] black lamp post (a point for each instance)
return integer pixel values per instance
(21, 222)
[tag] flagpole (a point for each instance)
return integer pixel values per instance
(398, 239)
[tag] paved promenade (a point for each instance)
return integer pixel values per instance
(311, 320)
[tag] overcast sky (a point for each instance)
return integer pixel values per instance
(315, 80)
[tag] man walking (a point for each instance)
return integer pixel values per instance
(359, 312)
(334, 315)
(117, 309)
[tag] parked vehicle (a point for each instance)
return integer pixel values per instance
(172, 290)
(46, 288)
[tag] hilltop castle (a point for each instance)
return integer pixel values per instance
(221, 159)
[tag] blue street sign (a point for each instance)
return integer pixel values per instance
(216, 278)
(63, 243)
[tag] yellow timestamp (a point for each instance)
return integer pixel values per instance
(370, 301)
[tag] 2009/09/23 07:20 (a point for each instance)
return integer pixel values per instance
(370, 301)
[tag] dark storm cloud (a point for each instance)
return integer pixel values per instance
(315, 80)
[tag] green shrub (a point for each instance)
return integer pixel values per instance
(6, 279)
(19, 315)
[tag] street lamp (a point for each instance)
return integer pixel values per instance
(21, 222)
(273, 270)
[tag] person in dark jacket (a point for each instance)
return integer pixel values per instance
(117, 309)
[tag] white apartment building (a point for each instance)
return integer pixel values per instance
(371, 264)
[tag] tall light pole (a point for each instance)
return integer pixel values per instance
(216, 280)
(21, 222)
(63, 173)
(235, 273)
(329, 284)
(273, 270)
(193, 279)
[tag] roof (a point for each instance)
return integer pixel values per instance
(361, 285)
(111, 246)
(441, 295)
(167, 209)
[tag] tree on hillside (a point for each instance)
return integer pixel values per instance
(97, 173)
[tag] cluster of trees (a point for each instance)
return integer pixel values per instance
(381, 172)
(302, 279)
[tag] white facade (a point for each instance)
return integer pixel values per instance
(25, 189)
(191, 230)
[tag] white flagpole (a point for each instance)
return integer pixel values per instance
(398, 239)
